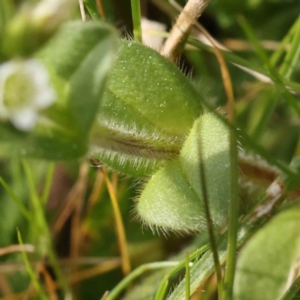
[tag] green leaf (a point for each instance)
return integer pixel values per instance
(92, 9)
(269, 258)
(172, 199)
(148, 108)
(79, 58)
(54, 144)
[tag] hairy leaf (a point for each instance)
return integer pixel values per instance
(172, 199)
(148, 108)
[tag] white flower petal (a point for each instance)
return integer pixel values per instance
(24, 119)
(151, 40)
(32, 87)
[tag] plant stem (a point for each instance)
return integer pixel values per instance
(162, 292)
(41, 223)
(189, 15)
(26, 213)
(233, 220)
(292, 291)
(283, 44)
(30, 271)
(179, 266)
(136, 19)
(82, 11)
(119, 224)
(277, 78)
(292, 56)
(210, 230)
(187, 277)
(135, 274)
(48, 183)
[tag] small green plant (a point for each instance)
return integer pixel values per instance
(222, 167)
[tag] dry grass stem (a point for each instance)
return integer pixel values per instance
(49, 282)
(72, 198)
(82, 11)
(17, 248)
(126, 268)
(5, 288)
(96, 191)
(74, 278)
(100, 9)
(189, 15)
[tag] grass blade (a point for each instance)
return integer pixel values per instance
(30, 271)
(278, 80)
(136, 19)
(48, 183)
(187, 277)
(40, 221)
(212, 240)
(135, 274)
(18, 202)
(292, 56)
(276, 56)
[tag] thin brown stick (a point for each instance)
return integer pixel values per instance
(5, 288)
(49, 282)
(104, 295)
(16, 248)
(72, 199)
(119, 225)
(92, 272)
(225, 76)
(76, 219)
(64, 263)
(82, 11)
(189, 15)
(96, 192)
(77, 277)
(76, 233)
(241, 45)
(100, 9)
(115, 180)
(224, 72)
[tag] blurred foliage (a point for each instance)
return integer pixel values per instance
(122, 104)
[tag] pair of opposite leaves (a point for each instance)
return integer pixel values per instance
(149, 123)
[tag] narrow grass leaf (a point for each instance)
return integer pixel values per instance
(161, 294)
(135, 274)
(187, 277)
(136, 19)
(26, 213)
(292, 56)
(48, 182)
(278, 80)
(276, 56)
(30, 271)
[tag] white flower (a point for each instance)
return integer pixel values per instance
(24, 91)
(151, 40)
(51, 13)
